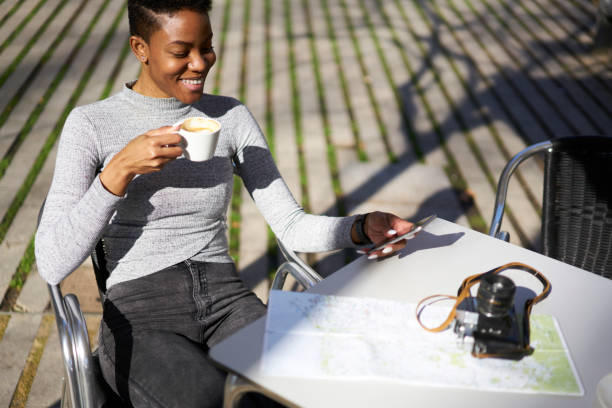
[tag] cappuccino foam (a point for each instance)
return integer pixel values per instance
(198, 125)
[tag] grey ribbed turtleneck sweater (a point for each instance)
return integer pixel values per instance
(173, 215)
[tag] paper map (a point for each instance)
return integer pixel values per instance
(318, 336)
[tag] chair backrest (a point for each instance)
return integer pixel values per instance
(577, 203)
(98, 259)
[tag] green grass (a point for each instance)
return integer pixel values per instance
(453, 172)
(50, 141)
(361, 153)
(22, 390)
(473, 98)
(112, 78)
(526, 102)
(554, 54)
(40, 106)
(221, 50)
(296, 106)
(19, 278)
(21, 26)
(24, 51)
(516, 60)
(331, 153)
(236, 202)
(365, 74)
(12, 11)
(25, 266)
(39, 66)
(4, 320)
(272, 248)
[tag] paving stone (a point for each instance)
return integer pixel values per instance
(106, 63)
(34, 297)
(494, 82)
(40, 83)
(592, 96)
(364, 115)
(397, 134)
(337, 110)
(82, 283)
(411, 192)
(23, 227)
(253, 259)
(30, 148)
(284, 131)
(14, 349)
(27, 32)
(46, 388)
(557, 126)
(548, 71)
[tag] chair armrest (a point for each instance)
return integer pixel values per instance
(65, 329)
(300, 270)
(76, 350)
(82, 349)
(303, 277)
(502, 185)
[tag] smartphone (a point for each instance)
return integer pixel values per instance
(418, 226)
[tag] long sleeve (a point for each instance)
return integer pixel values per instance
(292, 225)
(77, 207)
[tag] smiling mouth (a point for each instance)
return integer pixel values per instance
(197, 81)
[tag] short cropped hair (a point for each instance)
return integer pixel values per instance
(143, 14)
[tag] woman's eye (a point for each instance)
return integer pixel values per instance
(180, 54)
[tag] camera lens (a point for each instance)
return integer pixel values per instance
(495, 295)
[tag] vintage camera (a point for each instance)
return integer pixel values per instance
(496, 329)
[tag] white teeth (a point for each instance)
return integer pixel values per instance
(192, 81)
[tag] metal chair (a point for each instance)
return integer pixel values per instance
(603, 27)
(83, 386)
(577, 201)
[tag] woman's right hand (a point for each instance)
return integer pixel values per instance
(147, 153)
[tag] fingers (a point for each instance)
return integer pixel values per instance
(399, 224)
(164, 136)
(163, 130)
(387, 250)
(384, 227)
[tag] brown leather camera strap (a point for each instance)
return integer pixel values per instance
(464, 292)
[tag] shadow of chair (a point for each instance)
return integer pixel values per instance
(83, 386)
(577, 200)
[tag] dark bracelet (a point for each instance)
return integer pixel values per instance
(360, 230)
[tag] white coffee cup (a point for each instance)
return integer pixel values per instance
(200, 136)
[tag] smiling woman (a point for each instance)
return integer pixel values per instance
(175, 58)
(121, 176)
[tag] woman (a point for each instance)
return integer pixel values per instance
(173, 291)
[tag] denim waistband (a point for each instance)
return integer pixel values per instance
(189, 298)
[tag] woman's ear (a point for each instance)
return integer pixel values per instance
(140, 48)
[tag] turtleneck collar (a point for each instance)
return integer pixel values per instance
(157, 104)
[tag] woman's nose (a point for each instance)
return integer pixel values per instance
(197, 62)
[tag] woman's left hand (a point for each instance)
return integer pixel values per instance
(381, 227)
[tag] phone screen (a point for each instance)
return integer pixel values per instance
(418, 226)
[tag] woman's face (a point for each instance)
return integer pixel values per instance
(177, 57)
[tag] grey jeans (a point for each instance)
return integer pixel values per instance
(156, 332)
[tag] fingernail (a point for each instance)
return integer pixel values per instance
(387, 250)
(361, 251)
(373, 256)
(391, 232)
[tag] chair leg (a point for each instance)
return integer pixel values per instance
(236, 387)
(64, 397)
